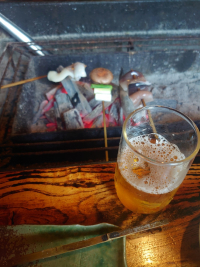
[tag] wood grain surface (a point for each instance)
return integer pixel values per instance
(86, 195)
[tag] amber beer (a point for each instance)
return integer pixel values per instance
(153, 160)
(138, 200)
(144, 187)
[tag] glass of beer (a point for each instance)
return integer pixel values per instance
(157, 147)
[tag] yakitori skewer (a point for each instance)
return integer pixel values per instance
(138, 80)
(76, 71)
(102, 89)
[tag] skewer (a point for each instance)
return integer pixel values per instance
(150, 118)
(105, 131)
(144, 105)
(22, 82)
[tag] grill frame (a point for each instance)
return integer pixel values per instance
(17, 152)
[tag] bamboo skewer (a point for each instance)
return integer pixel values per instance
(105, 131)
(150, 117)
(23, 82)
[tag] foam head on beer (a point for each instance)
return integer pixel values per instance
(160, 179)
(145, 186)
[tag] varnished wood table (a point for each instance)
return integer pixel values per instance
(86, 195)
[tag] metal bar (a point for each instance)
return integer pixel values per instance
(9, 104)
(4, 51)
(21, 51)
(19, 34)
(97, 41)
(10, 120)
(6, 68)
(57, 142)
(107, 40)
(50, 43)
(59, 151)
(2, 117)
(60, 42)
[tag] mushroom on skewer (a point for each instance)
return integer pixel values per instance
(101, 76)
(102, 89)
(131, 83)
(133, 77)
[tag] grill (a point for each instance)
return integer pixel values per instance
(22, 149)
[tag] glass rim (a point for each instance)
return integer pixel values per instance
(190, 157)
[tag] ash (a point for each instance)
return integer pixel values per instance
(182, 87)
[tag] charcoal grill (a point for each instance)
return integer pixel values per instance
(38, 150)
(160, 55)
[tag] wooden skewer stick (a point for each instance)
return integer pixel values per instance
(23, 82)
(150, 117)
(105, 131)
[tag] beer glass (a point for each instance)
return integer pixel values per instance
(157, 147)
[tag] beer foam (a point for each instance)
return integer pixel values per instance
(160, 179)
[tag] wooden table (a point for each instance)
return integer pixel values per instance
(86, 195)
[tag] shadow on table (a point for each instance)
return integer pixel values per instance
(190, 249)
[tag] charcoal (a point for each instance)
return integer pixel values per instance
(87, 87)
(59, 91)
(98, 122)
(121, 114)
(50, 115)
(83, 107)
(92, 115)
(73, 119)
(114, 110)
(75, 100)
(93, 103)
(50, 94)
(58, 118)
(86, 90)
(37, 116)
(63, 102)
(69, 87)
(126, 102)
(115, 91)
(39, 112)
